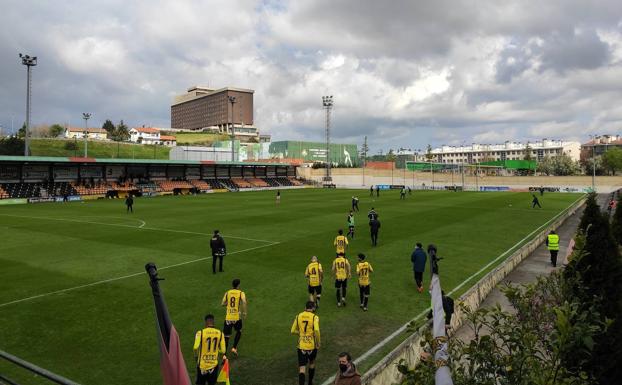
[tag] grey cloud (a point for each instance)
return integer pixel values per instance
(572, 51)
(512, 62)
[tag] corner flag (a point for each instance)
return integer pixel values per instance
(172, 362)
(223, 376)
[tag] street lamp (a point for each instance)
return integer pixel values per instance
(232, 101)
(28, 61)
(86, 116)
(593, 137)
(327, 103)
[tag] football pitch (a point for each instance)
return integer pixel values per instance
(74, 297)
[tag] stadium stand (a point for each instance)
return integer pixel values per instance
(97, 188)
(215, 184)
(241, 183)
(31, 190)
(172, 185)
(123, 186)
(3, 194)
(201, 184)
(258, 182)
(272, 182)
(228, 184)
(31, 177)
(147, 187)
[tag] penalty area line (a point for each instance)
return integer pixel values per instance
(125, 277)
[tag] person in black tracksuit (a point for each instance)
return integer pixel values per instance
(129, 202)
(374, 226)
(219, 250)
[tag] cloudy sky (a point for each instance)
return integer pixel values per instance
(404, 73)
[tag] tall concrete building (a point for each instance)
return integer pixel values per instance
(208, 108)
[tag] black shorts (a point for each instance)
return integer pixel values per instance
(230, 325)
(339, 283)
(365, 290)
(315, 289)
(209, 378)
(306, 356)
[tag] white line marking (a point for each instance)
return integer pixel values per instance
(402, 328)
(134, 227)
(142, 224)
(125, 276)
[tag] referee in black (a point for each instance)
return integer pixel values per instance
(219, 250)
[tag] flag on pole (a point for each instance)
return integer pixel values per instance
(223, 376)
(441, 356)
(172, 362)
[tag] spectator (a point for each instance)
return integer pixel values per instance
(418, 259)
(347, 374)
(448, 309)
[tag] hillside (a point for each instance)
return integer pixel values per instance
(198, 139)
(97, 149)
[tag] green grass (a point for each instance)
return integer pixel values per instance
(184, 138)
(104, 334)
(98, 149)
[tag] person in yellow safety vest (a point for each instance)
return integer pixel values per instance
(552, 243)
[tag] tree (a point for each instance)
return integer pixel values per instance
(121, 133)
(364, 151)
(616, 223)
(11, 145)
(109, 127)
(391, 156)
(612, 160)
(589, 164)
(558, 165)
(428, 153)
(55, 130)
(21, 133)
(598, 267)
(520, 347)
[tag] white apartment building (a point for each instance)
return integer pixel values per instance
(476, 153)
(93, 133)
(150, 135)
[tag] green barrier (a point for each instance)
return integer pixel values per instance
(21, 201)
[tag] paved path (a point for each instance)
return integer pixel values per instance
(532, 267)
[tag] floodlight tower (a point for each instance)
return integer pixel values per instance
(327, 102)
(28, 61)
(86, 116)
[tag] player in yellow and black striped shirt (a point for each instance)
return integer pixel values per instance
(314, 274)
(235, 302)
(307, 326)
(208, 342)
(341, 270)
(364, 269)
(340, 243)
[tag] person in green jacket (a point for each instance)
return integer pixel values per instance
(351, 225)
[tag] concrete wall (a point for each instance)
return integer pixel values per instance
(385, 372)
(359, 178)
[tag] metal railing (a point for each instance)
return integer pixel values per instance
(55, 378)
